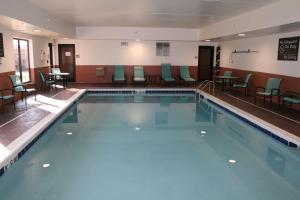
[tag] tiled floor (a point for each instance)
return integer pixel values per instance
(14, 123)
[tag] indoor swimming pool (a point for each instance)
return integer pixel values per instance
(153, 147)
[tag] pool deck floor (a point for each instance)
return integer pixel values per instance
(13, 123)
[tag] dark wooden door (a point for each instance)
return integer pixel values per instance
(205, 63)
(67, 59)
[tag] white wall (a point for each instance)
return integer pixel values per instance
(36, 45)
(110, 52)
(263, 61)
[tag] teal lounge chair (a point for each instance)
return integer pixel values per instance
(244, 84)
(271, 89)
(4, 96)
(166, 74)
(19, 87)
(138, 74)
(119, 75)
(185, 75)
(46, 82)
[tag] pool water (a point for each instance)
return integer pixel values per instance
(153, 147)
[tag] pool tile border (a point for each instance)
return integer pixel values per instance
(264, 130)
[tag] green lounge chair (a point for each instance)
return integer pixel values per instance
(46, 82)
(19, 87)
(244, 84)
(7, 97)
(138, 74)
(271, 89)
(119, 75)
(166, 74)
(291, 98)
(185, 75)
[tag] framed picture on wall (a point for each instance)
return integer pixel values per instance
(288, 49)
(1, 46)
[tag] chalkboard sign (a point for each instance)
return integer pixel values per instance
(288, 49)
(1, 46)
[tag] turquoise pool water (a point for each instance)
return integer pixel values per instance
(152, 147)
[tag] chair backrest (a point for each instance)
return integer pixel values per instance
(119, 71)
(138, 72)
(247, 79)
(184, 72)
(227, 73)
(16, 82)
(273, 83)
(42, 77)
(55, 70)
(166, 71)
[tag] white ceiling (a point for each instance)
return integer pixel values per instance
(148, 13)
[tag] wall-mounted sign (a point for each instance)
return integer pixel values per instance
(288, 49)
(67, 54)
(1, 46)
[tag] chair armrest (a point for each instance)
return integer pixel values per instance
(278, 92)
(259, 88)
(29, 85)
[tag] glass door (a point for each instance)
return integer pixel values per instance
(22, 63)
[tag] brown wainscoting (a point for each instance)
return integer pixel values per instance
(87, 73)
(35, 76)
(5, 81)
(289, 83)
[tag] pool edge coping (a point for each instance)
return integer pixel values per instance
(18, 147)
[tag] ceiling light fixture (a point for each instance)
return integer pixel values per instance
(242, 34)
(69, 133)
(137, 128)
(46, 165)
(207, 40)
(232, 161)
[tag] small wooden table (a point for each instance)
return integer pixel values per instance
(230, 78)
(62, 74)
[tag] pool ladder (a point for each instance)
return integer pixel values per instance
(210, 84)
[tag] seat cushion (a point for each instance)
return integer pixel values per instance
(240, 85)
(30, 90)
(8, 97)
(139, 79)
(291, 100)
(189, 79)
(169, 79)
(119, 78)
(264, 93)
(19, 88)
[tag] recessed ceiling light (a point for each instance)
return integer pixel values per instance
(207, 40)
(242, 34)
(46, 165)
(37, 30)
(69, 133)
(203, 132)
(232, 161)
(137, 128)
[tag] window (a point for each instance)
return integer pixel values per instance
(22, 64)
(162, 49)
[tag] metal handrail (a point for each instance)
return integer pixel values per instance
(206, 83)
